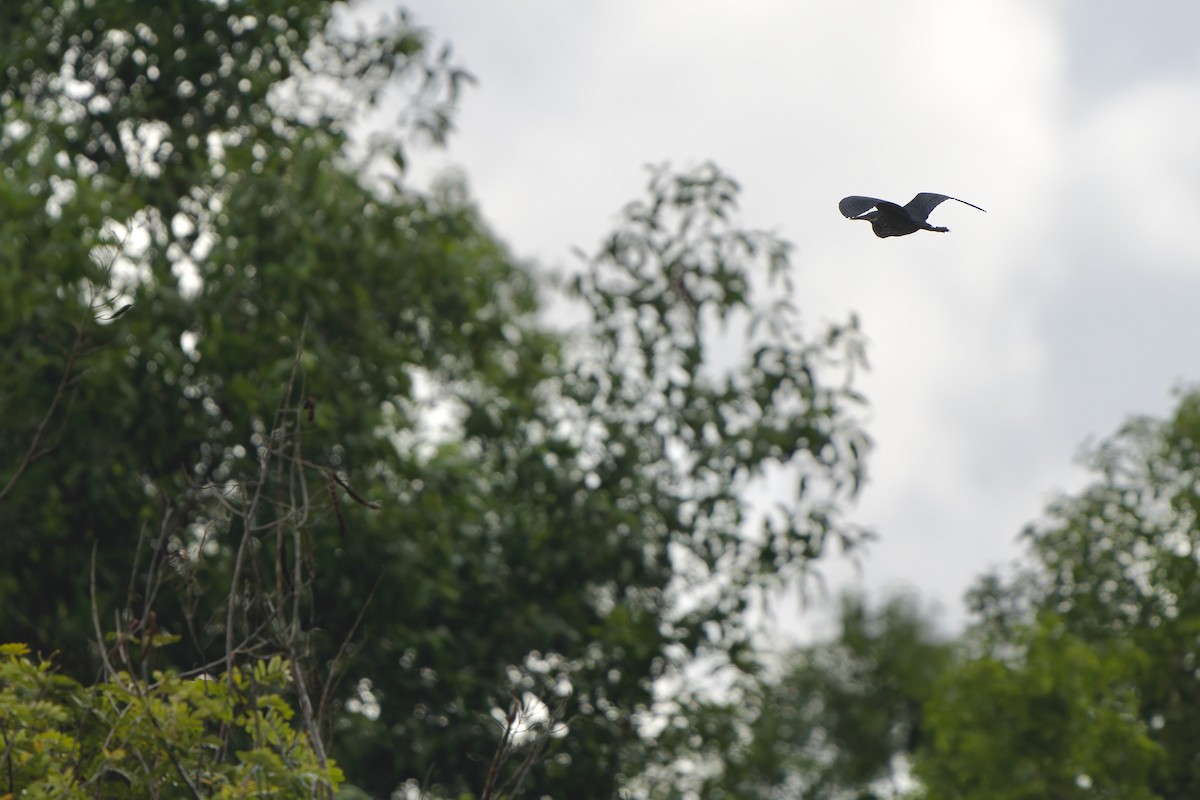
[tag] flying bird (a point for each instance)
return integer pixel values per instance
(889, 219)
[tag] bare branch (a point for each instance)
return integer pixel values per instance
(33, 452)
(502, 750)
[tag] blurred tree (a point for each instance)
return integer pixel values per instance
(1077, 677)
(1052, 718)
(279, 404)
(845, 716)
(1111, 599)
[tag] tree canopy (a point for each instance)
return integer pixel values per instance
(1113, 570)
(1075, 677)
(263, 399)
(844, 715)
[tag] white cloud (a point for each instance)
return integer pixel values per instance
(1138, 165)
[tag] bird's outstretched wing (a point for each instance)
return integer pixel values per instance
(923, 204)
(854, 205)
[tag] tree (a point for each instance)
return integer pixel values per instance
(1055, 718)
(1076, 677)
(278, 405)
(845, 716)
(1098, 628)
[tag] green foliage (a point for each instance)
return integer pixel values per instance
(845, 715)
(182, 186)
(1115, 565)
(125, 738)
(1056, 719)
(292, 407)
(1078, 678)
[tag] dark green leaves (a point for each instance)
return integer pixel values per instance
(305, 411)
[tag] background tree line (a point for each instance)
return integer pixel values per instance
(1076, 677)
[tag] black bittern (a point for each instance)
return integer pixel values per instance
(889, 219)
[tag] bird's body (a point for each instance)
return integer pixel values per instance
(889, 219)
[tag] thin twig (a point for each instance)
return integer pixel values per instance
(355, 496)
(137, 564)
(306, 710)
(109, 672)
(501, 751)
(156, 558)
(249, 514)
(239, 560)
(32, 453)
(534, 754)
(335, 504)
(327, 690)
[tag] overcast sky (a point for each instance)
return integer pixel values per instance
(995, 350)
